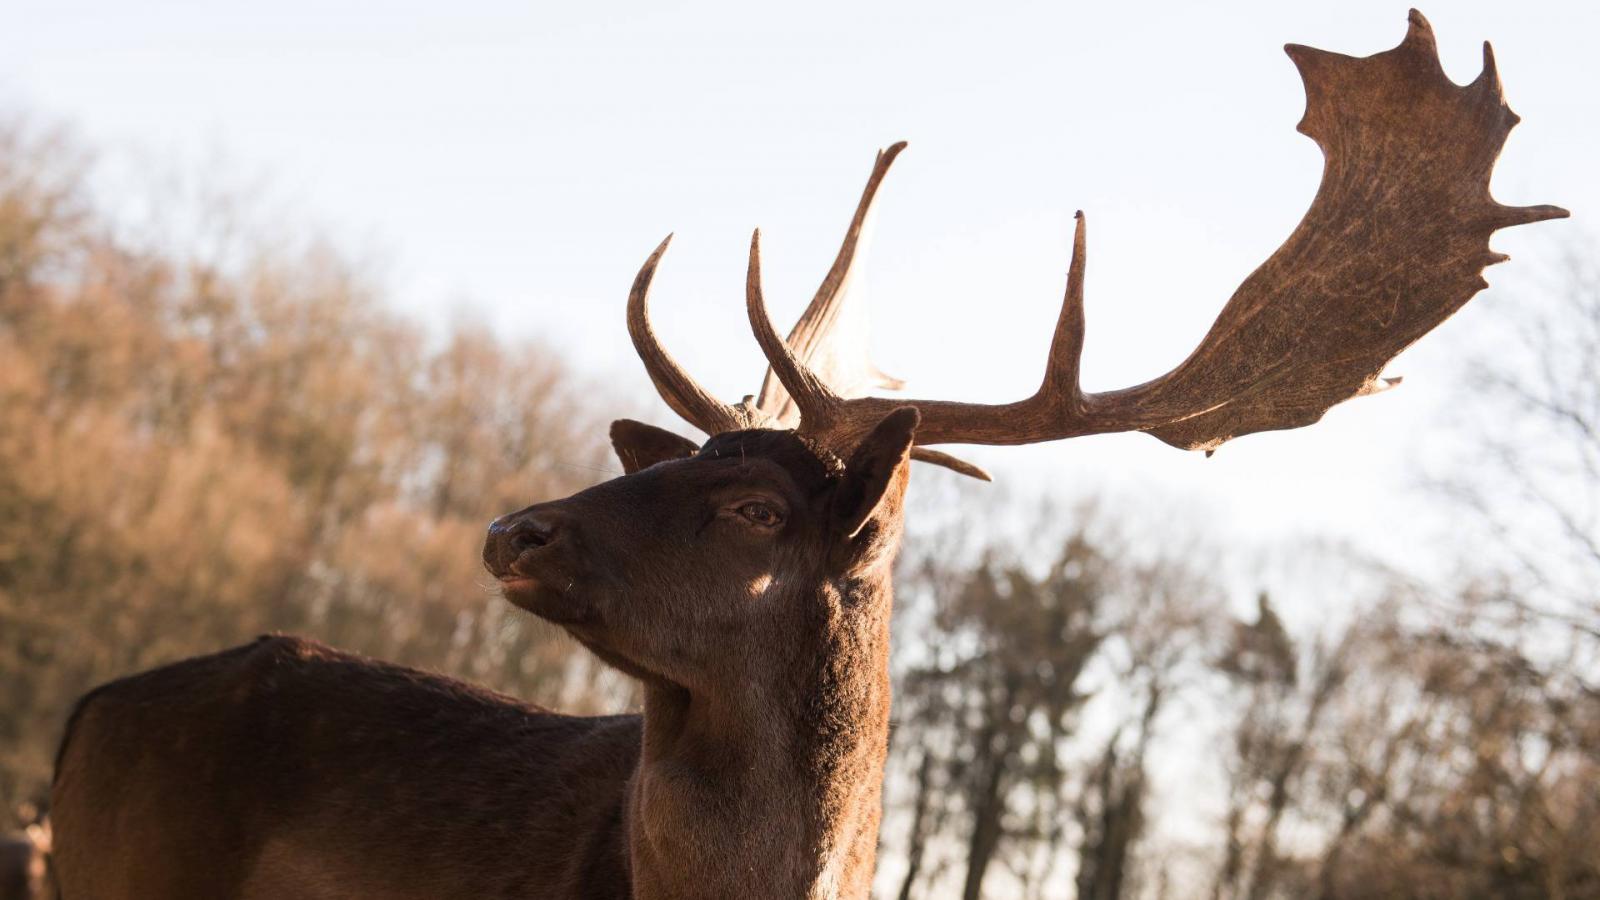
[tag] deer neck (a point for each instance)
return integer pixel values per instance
(771, 787)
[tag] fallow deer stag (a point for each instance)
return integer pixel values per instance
(745, 582)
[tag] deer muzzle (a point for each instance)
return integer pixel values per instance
(514, 541)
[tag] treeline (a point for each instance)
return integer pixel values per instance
(1098, 725)
(208, 438)
(196, 450)
(1093, 717)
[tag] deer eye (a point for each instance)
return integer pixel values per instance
(758, 513)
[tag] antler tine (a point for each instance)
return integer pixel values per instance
(816, 401)
(841, 360)
(953, 463)
(698, 407)
(838, 421)
(819, 406)
(680, 391)
(795, 393)
(1060, 388)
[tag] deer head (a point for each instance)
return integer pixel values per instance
(675, 570)
(702, 564)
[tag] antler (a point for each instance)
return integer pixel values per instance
(831, 335)
(677, 387)
(830, 340)
(1394, 243)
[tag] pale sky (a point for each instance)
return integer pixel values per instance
(516, 162)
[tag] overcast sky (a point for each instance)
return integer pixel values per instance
(516, 162)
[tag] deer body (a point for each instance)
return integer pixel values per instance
(421, 786)
(287, 769)
(745, 583)
(409, 785)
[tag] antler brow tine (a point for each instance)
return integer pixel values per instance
(677, 387)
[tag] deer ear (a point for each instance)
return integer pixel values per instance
(641, 446)
(872, 467)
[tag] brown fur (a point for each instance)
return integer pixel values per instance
(286, 768)
(179, 782)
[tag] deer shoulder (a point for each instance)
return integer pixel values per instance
(287, 768)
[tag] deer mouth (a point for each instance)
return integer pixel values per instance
(550, 596)
(523, 577)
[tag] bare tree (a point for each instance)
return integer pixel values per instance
(1286, 691)
(997, 786)
(1412, 756)
(989, 710)
(1158, 651)
(1531, 484)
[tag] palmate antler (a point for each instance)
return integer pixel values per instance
(1394, 242)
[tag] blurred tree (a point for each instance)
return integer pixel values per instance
(1472, 772)
(988, 705)
(1281, 715)
(192, 453)
(1409, 758)
(1157, 650)
(1529, 418)
(988, 709)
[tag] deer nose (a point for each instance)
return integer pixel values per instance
(513, 535)
(529, 532)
